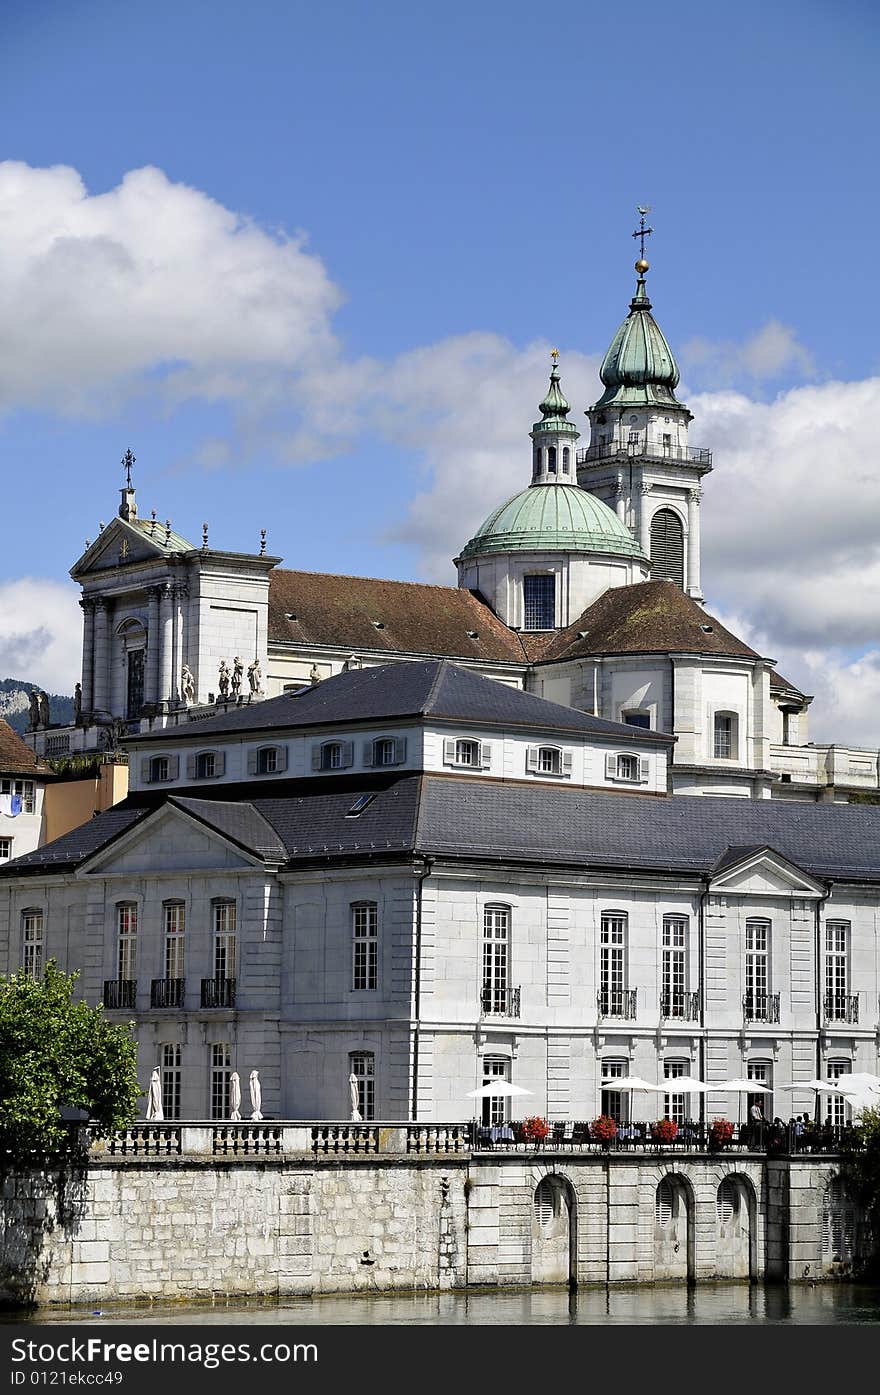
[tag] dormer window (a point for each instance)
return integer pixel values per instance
(623, 767)
(206, 765)
(467, 753)
(548, 760)
(333, 755)
(158, 769)
(385, 750)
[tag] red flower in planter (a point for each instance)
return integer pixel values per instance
(664, 1131)
(603, 1129)
(535, 1129)
(720, 1132)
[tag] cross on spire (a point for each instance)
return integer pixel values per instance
(642, 232)
(127, 461)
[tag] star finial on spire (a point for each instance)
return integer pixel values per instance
(554, 354)
(127, 461)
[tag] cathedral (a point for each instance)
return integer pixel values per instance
(423, 838)
(583, 588)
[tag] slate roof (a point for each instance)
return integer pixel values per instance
(778, 684)
(651, 617)
(686, 833)
(16, 757)
(504, 822)
(425, 687)
(341, 611)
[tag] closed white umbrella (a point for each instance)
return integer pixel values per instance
(355, 1099)
(494, 1088)
(234, 1096)
(154, 1097)
(256, 1094)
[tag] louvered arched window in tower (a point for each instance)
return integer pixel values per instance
(667, 547)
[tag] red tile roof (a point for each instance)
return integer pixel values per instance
(361, 614)
(16, 757)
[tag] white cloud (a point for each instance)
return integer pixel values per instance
(41, 633)
(774, 351)
(151, 284)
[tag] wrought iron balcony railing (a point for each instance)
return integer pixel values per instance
(617, 1002)
(761, 1007)
(167, 992)
(499, 1002)
(120, 992)
(684, 1006)
(841, 1007)
(218, 992)
(693, 455)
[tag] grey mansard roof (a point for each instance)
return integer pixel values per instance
(387, 692)
(501, 822)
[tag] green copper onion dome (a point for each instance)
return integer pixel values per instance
(553, 518)
(639, 368)
(555, 408)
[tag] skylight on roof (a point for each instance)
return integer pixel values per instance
(360, 804)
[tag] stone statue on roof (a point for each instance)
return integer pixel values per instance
(44, 709)
(237, 675)
(77, 703)
(34, 706)
(314, 675)
(187, 685)
(223, 679)
(255, 678)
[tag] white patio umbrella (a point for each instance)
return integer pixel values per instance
(355, 1099)
(820, 1087)
(862, 1090)
(234, 1096)
(154, 1096)
(494, 1088)
(256, 1090)
(740, 1086)
(685, 1085)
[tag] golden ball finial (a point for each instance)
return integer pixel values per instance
(642, 266)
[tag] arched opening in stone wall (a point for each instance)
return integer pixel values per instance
(839, 1226)
(554, 1232)
(674, 1229)
(736, 1233)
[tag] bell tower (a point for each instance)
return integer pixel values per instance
(639, 460)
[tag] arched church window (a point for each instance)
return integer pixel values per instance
(537, 464)
(667, 547)
(566, 457)
(551, 460)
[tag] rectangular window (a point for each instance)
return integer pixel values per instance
(757, 968)
(614, 1102)
(5, 849)
(221, 1069)
(725, 736)
(496, 958)
(495, 1107)
(612, 965)
(159, 769)
(26, 791)
(267, 760)
(836, 1105)
(175, 932)
(126, 941)
(365, 946)
(836, 970)
(539, 602)
(224, 939)
(674, 1105)
(171, 1081)
(363, 1068)
(627, 767)
(761, 1072)
(674, 966)
(638, 719)
(32, 943)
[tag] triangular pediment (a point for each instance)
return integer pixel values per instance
(763, 872)
(122, 543)
(168, 840)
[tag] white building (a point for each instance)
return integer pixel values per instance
(22, 796)
(584, 587)
(427, 879)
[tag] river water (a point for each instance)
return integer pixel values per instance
(708, 1303)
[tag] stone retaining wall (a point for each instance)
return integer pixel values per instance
(192, 1227)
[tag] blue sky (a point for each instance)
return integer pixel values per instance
(393, 212)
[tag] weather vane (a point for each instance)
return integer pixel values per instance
(642, 232)
(127, 461)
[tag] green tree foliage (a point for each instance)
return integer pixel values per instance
(55, 1052)
(860, 1170)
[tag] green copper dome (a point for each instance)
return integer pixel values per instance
(639, 368)
(553, 518)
